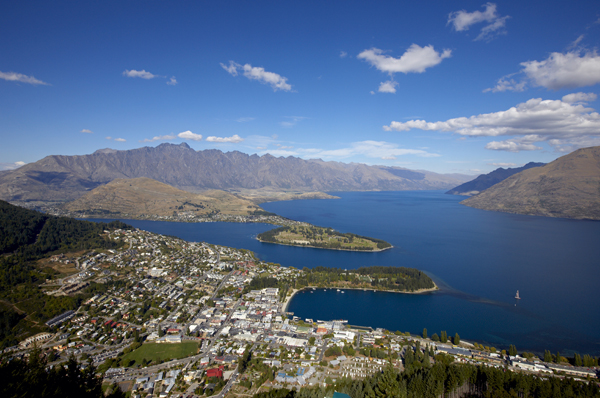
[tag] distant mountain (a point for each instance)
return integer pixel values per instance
(484, 181)
(137, 197)
(567, 187)
(65, 178)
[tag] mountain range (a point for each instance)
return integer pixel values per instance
(568, 187)
(64, 178)
(484, 181)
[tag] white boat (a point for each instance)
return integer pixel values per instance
(342, 291)
(338, 290)
(517, 296)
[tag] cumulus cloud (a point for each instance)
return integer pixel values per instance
(188, 135)
(415, 60)
(579, 97)
(533, 121)
(172, 81)
(120, 139)
(526, 143)
(86, 131)
(11, 166)
(388, 87)
(139, 73)
(160, 138)
(233, 139)
(18, 77)
(568, 70)
(277, 82)
(463, 20)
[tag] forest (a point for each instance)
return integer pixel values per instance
(25, 379)
(26, 236)
(324, 238)
(446, 380)
(400, 279)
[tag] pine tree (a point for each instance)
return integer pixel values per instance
(547, 356)
(557, 357)
(444, 337)
(512, 350)
(456, 339)
(578, 360)
(424, 333)
(409, 357)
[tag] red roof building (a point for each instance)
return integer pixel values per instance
(215, 372)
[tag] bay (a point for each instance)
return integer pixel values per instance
(478, 258)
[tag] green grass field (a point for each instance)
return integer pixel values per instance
(157, 352)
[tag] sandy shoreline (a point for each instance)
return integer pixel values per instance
(286, 303)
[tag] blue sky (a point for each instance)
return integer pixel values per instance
(451, 87)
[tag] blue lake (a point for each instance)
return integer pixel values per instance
(479, 258)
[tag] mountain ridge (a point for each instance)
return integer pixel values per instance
(484, 181)
(65, 178)
(568, 187)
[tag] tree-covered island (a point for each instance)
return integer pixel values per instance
(323, 238)
(396, 279)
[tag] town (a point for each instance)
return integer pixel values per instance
(174, 318)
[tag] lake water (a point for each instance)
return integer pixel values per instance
(479, 259)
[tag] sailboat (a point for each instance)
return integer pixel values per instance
(517, 296)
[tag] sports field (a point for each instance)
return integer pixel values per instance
(165, 352)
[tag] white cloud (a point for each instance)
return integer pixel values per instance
(292, 122)
(87, 131)
(506, 84)
(277, 82)
(233, 139)
(388, 87)
(492, 30)
(11, 166)
(139, 73)
(109, 138)
(463, 20)
(533, 121)
(232, 68)
(579, 97)
(18, 77)
(343, 54)
(120, 139)
(172, 81)
(188, 135)
(504, 164)
(245, 119)
(415, 60)
(160, 138)
(568, 70)
(516, 144)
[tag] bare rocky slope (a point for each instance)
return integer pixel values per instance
(65, 178)
(138, 197)
(568, 187)
(484, 181)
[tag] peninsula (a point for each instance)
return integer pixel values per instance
(390, 279)
(322, 238)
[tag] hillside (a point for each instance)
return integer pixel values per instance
(484, 181)
(567, 187)
(65, 178)
(137, 197)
